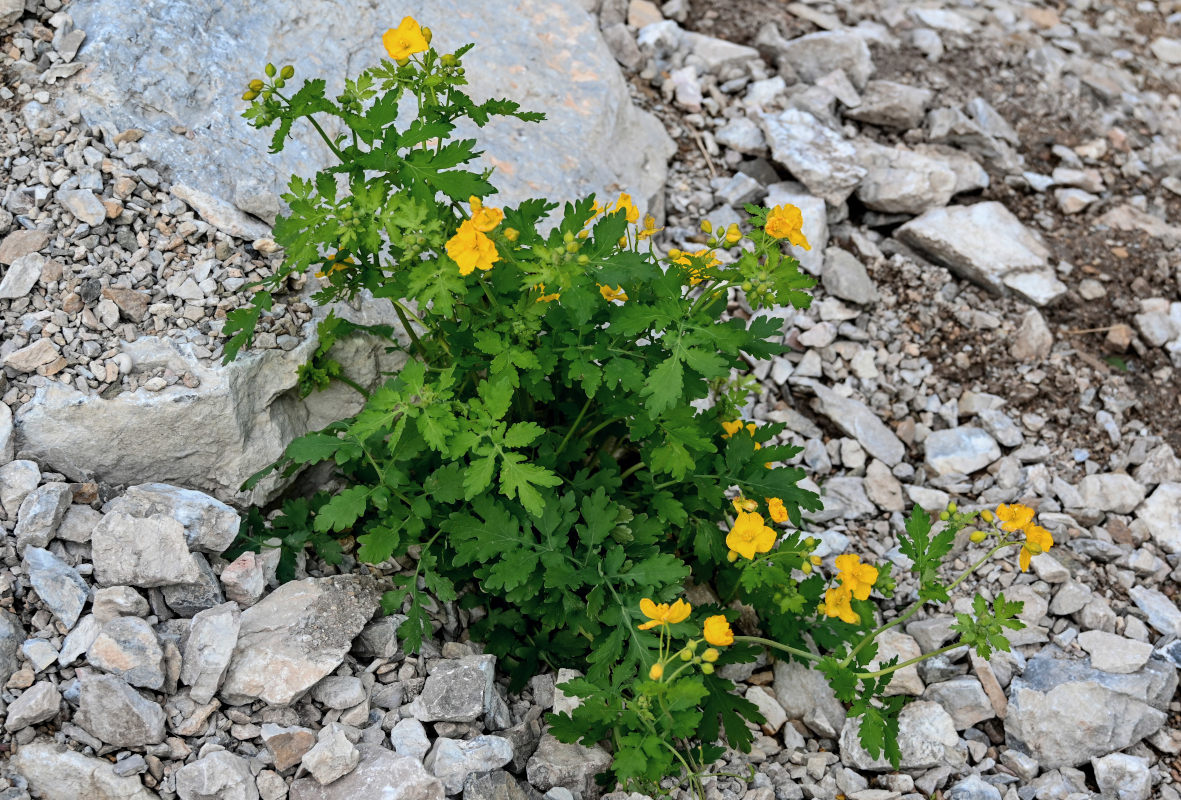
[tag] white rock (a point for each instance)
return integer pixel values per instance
(961, 450)
(1111, 491)
(1112, 653)
(856, 419)
(1166, 49)
(36, 704)
(816, 155)
(769, 707)
(22, 276)
(219, 775)
(83, 205)
(1121, 776)
(379, 774)
(900, 181)
(146, 552)
(213, 633)
(28, 358)
(332, 757)
(1161, 515)
(56, 772)
(926, 737)
(452, 760)
(1033, 339)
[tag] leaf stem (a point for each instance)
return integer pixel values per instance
(904, 664)
(574, 426)
(795, 651)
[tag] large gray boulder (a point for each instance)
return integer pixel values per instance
(53, 771)
(545, 54)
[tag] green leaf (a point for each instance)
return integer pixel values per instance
(343, 510)
(663, 387)
(478, 476)
(312, 448)
(519, 479)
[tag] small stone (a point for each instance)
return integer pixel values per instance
(859, 421)
(973, 787)
(112, 711)
(1166, 49)
(892, 105)
(339, 692)
(964, 699)
(452, 760)
(78, 523)
(220, 214)
(1070, 599)
(22, 276)
(1072, 201)
(213, 634)
(1122, 776)
(20, 243)
(220, 775)
(210, 525)
(1112, 653)
(128, 647)
(409, 738)
(494, 785)
(1033, 339)
(40, 513)
(1161, 612)
(78, 640)
(118, 601)
(456, 691)
(59, 585)
(287, 745)
(845, 277)
(1112, 491)
(28, 359)
(144, 552)
(83, 204)
(894, 643)
(332, 757)
(39, 653)
(244, 580)
(961, 450)
(742, 134)
(35, 705)
(805, 695)
(187, 599)
(774, 715)
(817, 54)
(132, 305)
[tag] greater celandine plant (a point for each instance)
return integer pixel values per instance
(545, 458)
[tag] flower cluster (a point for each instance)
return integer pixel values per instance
(856, 582)
(1019, 518)
(470, 247)
(715, 631)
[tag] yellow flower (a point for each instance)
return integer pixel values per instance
(1037, 540)
(470, 248)
(696, 273)
(787, 222)
(404, 40)
(484, 218)
(858, 578)
(735, 426)
(335, 264)
(777, 510)
(837, 604)
(717, 631)
(733, 234)
(546, 298)
(1014, 517)
(648, 229)
(625, 204)
(744, 504)
(750, 536)
(663, 613)
(612, 294)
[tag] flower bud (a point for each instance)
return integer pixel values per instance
(287, 72)
(733, 234)
(952, 507)
(280, 83)
(707, 668)
(403, 61)
(710, 656)
(656, 673)
(732, 556)
(943, 515)
(270, 70)
(449, 60)
(977, 536)
(686, 654)
(255, 85)
(815, 560)
(987, 515)
(427, 34)
(571, 247)
(707, 226)
(511, 234)
(810, 542)
(568, 237)
(249, 95)
(806, 568)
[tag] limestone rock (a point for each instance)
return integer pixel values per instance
(817, 54)
(569, 766)
(961, 450)
(1111, 491)
(453, 760)
(244, 579)
(112, 711)
(1123, 777)
(40, 513)
(817, 156)
(1115, 654)
(572, 77)
(83, 205)
(983, 243)
(187, 599)
(845, 277)
(892, 105)
(815, 227)
(210, 525)
(926, 737)
(58, 584)
(36, 704)
(859, 421)
(220, 775)
(22, 276)
(456, 691)
(805, 695)
(287, 745)
(55, 772)
(964, 699)
(1033, 339)
(128, 647)
(900, 181)
(134, 551)
(332, 757)
(295, 636)
(379, 774)
(213, 634)
(11, 636)
(1161, 515)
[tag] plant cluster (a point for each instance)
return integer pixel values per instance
(563, 449)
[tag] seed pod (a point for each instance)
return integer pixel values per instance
(287, 71)
(401, 62)
(270, 70)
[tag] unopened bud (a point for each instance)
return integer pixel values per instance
(987, 515)
(656, 673)
(249, 95)
(280, 83)
(978, 536)
(952, 507)
(806, 568)
(943, 515)
(686, 654)
(732, 556)
(707, 668)
(255, 85)
(707, 226)
(709, 656)
(270, 70)
(511, 234)
(733, 234)
(427, 34)
(449, 60)
(287, 72)
(403, 61)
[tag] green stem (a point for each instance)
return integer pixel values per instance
(574, 426)
(795, 651)
(911, 662)
(399, 304)
(315, 125)
(633, 468)
(410, 330)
